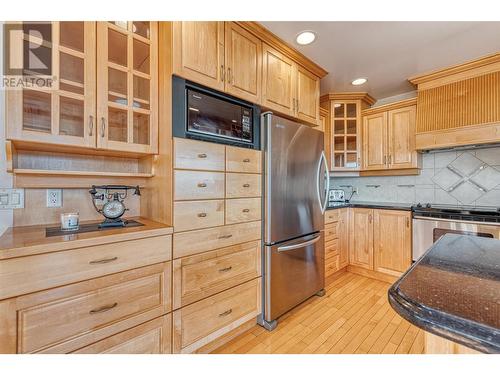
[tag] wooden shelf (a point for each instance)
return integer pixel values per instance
(47, 172)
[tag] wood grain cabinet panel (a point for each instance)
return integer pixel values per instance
(243, 58)
(331, 248)
(240, 185)
(243, 160)
(332, 230)
(199, 323)
(361, 238)
(307, 105)
(189, 185)
(200, 276)
(54, 269)
(198, 52)
(198, 241)
(153, 337)
(343, 229)
(189, 215)
(278, 81)
(392, 241)
(190, 154)
(242, 210)
(331, 216)
(401, 138)
(375, 141)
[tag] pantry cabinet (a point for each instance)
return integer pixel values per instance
(389, 137)
(104, 92)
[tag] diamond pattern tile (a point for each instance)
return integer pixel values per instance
(466, 164)
(488, 178)
(466, 193)
(446, 179)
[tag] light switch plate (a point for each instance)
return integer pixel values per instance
(54, 197)
(11, 198)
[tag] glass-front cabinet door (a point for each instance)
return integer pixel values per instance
(62, 112)
(127, 69)
(345, 135)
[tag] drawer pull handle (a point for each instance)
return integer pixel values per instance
(103, 261)
(225, 236)
(202, 185)
(246, 210)
(227, 312)
(103, 308)
(202, 156)
(226, 269)
(246, 160)
(246, 185)
(202, 214)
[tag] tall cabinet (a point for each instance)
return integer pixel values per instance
(345, 128)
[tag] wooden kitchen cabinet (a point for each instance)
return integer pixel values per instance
(389, 137)
(307, 96)
(344, 238)
(361, 238)
(198, 52)
(243, 60)
(392, 241)
(66, 113)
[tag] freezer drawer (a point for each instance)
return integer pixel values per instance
(294, 271)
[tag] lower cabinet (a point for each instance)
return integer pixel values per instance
(198, 324)
(153, 337)
(380, 240)
(336, 240)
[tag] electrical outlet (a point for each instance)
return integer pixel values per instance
(54, 197)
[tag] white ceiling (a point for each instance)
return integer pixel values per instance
(388, 53)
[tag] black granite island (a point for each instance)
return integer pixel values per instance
(453, 291)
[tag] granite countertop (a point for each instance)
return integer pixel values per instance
(453, 291)
(379, 205)
(30, 240)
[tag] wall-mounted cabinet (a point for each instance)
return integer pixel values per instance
(245, 60)
(345, 128)
(104, 93)
(389, 137)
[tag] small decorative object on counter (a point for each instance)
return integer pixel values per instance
(70, 221)
(114, 208)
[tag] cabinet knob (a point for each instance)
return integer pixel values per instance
(246, 160)
(103, 127)
(245, 210)
(91, 125)
(202, 185)
(202, 214)
(202, 156)
(222, 73)
(246, 185)
(227, 312)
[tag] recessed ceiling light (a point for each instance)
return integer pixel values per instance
(305, 37)
(359, 81)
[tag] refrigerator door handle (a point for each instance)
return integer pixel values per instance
(322, 159)
(300, 245)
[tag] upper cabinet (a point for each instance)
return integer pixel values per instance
(459, 105)
(245, 60)
(127, 68)
(198, 52)
(345, 128)
(66, 112)
(104, 93)
(389, 137)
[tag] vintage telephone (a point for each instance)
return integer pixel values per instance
(114, 208)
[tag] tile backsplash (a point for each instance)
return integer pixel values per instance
(451, 177)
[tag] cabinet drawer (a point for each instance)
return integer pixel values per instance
(198, 214)
(189, 154)
(153, 337)
(243, 160)
(200, 276)
(332, 265)
(28, 274)
(198, 185)
(242, 210)
(331, 248)
(331, 231)
(198, 241)
(203, 321)
(54, 321)
(331, 216)
(240, 185)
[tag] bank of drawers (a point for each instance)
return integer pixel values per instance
(335, 241)
(71, 317)
(216, 243)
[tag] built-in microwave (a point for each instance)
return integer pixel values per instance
(208, 115)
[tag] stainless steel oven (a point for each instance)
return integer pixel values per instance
(427, 230)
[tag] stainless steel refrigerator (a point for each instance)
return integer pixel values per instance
(296, 183)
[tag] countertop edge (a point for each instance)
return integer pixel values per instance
(413, 313)
(375, 205)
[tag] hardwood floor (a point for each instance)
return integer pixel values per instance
(353, 317)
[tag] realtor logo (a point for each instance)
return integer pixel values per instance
(27, 56)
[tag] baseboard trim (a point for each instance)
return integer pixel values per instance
(372, 274)
(225, 338)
